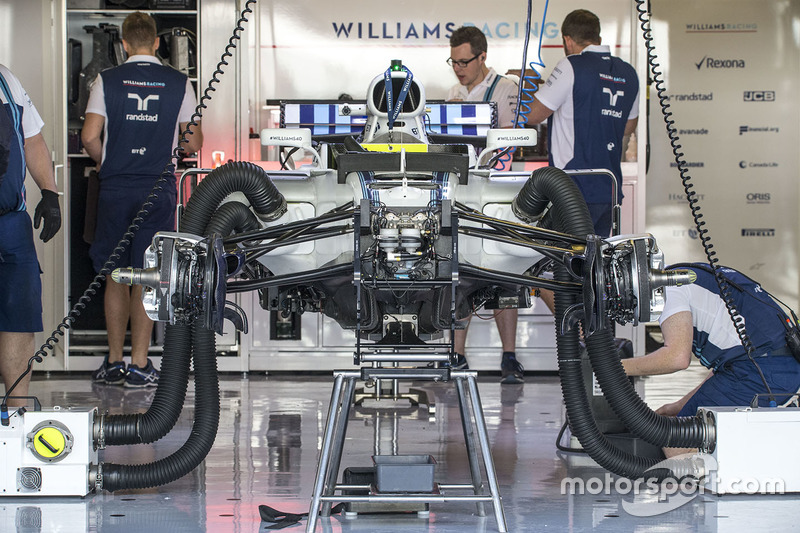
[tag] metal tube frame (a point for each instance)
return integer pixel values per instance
(472, 421)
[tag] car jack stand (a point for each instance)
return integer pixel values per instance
(473, 424)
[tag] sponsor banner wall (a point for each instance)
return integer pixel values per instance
(319, 50)
(732, 72)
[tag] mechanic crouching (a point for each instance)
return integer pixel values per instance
(696, 321)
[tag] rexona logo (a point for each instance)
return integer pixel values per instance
(758, 232)
(758, 129)
(712, 63)
(758, 198)
(759, 96)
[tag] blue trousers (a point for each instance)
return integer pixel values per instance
(737, 382)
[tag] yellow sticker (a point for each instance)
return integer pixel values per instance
(415, 147)
(49, 442)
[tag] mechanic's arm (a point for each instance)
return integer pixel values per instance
(630, 126)
(676, 354)
(91, 136)
(538, 113)
(672, 409)
(195, 137)
(39, 163)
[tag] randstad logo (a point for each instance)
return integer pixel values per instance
(421, 30)
(690, 97)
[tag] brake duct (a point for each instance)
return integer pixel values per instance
(570, 214)
(203, 216)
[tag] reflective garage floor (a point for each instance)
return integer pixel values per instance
(271, 431)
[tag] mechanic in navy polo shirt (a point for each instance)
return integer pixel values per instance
(22, 149)
(695, 321)
(133, 118)
(590, 102)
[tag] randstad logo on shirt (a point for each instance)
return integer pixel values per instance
(142, 104)
(142, 117)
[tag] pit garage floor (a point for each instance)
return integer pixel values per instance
(270, 434)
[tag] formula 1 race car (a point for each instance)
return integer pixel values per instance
(396, 237)
(399, 233)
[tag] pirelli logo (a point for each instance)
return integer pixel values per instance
(758, 232)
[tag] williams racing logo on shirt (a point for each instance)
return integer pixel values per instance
(143, 103)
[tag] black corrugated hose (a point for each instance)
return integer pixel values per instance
(170, 396)
(200, 218)
(239, 176)
(570, 215)
(670, 431)
(197, 446)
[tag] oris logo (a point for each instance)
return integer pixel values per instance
(758, 232)
(711, 63)
(759, 96)
(758, 198)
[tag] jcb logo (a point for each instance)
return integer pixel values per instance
(759, 96)
(141, 103)
(612, 96)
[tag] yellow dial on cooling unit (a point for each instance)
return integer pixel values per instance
(50, 441)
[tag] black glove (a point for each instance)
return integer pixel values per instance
(49, 210)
